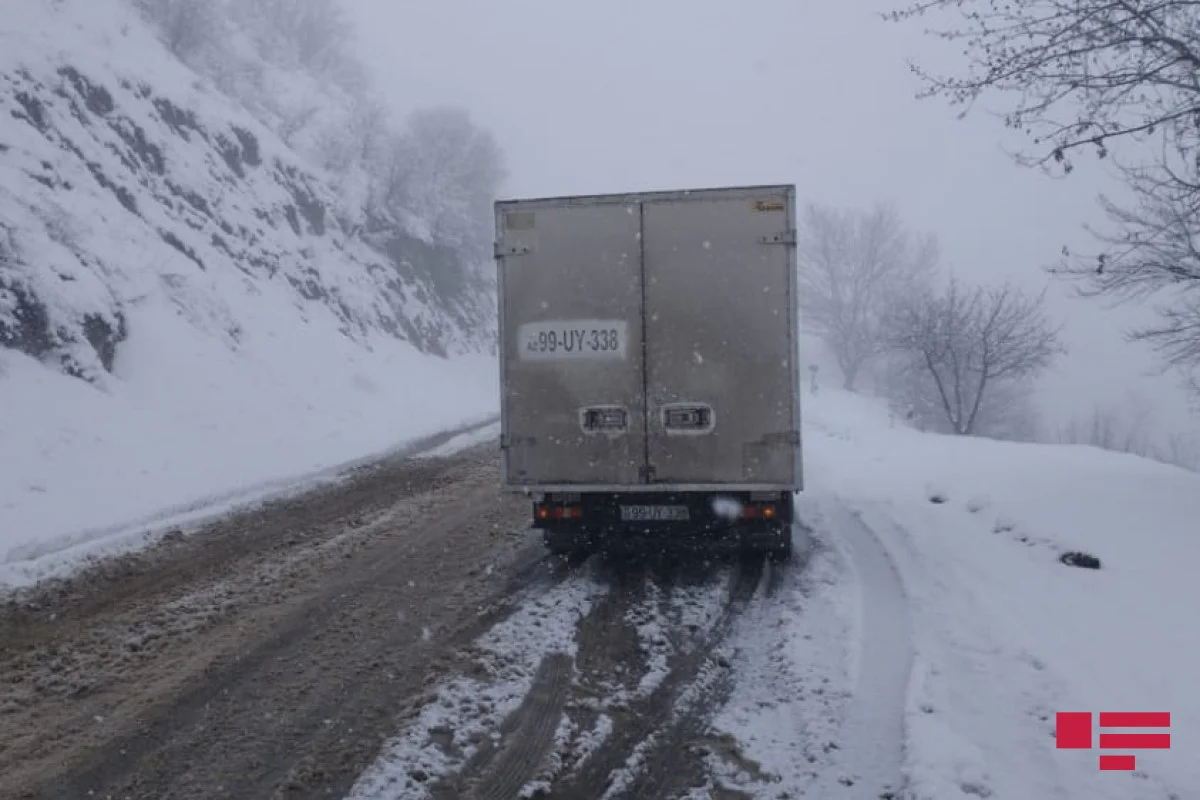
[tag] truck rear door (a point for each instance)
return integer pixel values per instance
(571, 325)
(719, 316)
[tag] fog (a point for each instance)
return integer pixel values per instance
(625, 96)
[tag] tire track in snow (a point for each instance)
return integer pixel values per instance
(499, 772)
(676, 758)
(638, 749)
(510, 760)
(821, 674)
(869, 761)
(766, 731)
(483, 734)
(619, 718)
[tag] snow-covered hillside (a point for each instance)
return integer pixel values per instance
(186, 304)
(1004, 633)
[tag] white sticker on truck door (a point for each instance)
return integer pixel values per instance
(579, 339)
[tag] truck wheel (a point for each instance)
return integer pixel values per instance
(571, 544)
(781, 548)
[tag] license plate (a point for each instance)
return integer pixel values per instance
(654, 513)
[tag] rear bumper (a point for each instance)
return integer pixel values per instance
(540, 490)
(709, 515)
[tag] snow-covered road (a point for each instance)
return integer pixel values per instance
(401, 634)
(673, 676)
(919, 647)
(870, 756)
(392, 644)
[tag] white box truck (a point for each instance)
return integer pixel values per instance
(649, 353)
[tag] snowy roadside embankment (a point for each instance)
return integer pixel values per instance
(1005, 634)
(79, 465)
(189, 307)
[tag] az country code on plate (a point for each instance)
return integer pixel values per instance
(589, 339)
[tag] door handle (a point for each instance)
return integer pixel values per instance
(610, 419)
(688, 418)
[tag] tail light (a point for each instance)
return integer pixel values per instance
(547, 512)
(760, 511)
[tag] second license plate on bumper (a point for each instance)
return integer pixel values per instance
(654, 513)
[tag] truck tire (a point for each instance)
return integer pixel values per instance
(781, 550)
(778, 547)
(775, 544)
(570, 544)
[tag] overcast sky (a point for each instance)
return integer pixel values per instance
(627, 95)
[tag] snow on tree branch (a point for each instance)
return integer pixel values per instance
(1084, 75)
(972, 341)
(852, 265)
(1115, 68)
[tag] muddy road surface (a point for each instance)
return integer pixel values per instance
(269, 655)
(402, 635)
(613, 699)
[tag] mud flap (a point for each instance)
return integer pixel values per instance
(782, 551)
(774, 542)
(572, 543)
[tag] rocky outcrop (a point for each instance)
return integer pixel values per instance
(115, 187)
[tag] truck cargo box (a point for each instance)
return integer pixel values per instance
(649, 342)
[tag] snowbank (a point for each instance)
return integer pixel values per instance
(80, 462)
(1005, 634)
(203, 282)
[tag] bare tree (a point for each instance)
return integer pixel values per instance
(187, 26)
(852, 265)
(447, 170)
(312, 34)
(1097, 430)
(1086, 75)
(1183, 451)
(1007, 411)
(369, 124)
(358, 137)
(293, 121)
(972, 343)
(1130, 429)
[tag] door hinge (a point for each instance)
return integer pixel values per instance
(790, 438)
(507, 442)
(783, 237)
(501, 250)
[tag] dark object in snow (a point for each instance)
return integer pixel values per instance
(937, 498)
(1081, 560)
